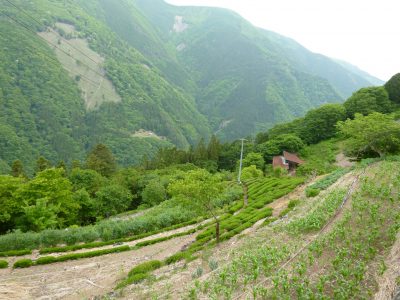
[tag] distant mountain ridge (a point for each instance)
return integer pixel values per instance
(181, 73)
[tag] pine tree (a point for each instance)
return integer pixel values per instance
(213, 148)
(101, 160)
(42, 164)
(17, 169)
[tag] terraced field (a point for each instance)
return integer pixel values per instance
(333, 245)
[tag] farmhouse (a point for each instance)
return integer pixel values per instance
(288, 161)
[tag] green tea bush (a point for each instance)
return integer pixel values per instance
(311, 192)
(15, 253)
(146, 267)
(46, 260)
(3, 264)
(136, 278)
(23, 263)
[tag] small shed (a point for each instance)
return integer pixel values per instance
(288, 161)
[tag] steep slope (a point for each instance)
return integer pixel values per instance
(89, 71)
(54, 122)
(248, 78)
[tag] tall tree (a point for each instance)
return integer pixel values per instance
(42, 164)
(200, 191)
(17, 169)
(101, 160)
(213, 148)
(393, 88)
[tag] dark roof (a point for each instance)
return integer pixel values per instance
(292, 157)
(278, 161)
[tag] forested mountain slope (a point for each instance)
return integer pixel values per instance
(178, 72)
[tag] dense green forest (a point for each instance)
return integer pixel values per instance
(213, 73)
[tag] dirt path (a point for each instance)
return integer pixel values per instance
(84, 278)
(343, 161)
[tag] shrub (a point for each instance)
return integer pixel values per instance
(293, 203)
(145, 267)
(311, 192)
(23, 263)
(197, 273)
(136, 278)
(213, 264)
(3, 264)
(46, 260)
(176, 257)
(15, 253)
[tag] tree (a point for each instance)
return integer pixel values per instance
(375, 133)
(213, 148)
(10, 206)
(393, 88)
(49, 189)
(283, 142)
(200, 191)
(42, 164)
(101, 160)
(368, 100)
(251, 172)
(112, 199)
(154, 193)
(200, 152)
(319, 124)
(17, 169)
(89, 180)
(255, 159)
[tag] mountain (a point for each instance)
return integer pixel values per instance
(142, 74)
(354, 69)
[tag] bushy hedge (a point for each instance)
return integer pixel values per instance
(140, 272)
(311, 192)
(15, 253)
(3, 264)
(23, 263)
(111, 242)
(165, 215)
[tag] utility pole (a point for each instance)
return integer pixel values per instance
(241, 161)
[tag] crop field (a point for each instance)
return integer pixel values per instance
(299, 261)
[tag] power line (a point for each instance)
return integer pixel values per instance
(82, 76)
(41, 24)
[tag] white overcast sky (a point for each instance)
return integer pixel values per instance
(365, 33)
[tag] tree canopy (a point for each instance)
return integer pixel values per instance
(368, 100)
(393, 88)
(376, 133)
(101, 160)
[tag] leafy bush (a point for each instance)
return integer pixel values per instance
(145, 267)
(46, 260)
(136, 278)
(23, 263)
(3, 264)
(311, 192)
(15, 253)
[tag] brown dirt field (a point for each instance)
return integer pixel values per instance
(84, 278)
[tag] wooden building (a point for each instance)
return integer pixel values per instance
(288, 161)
